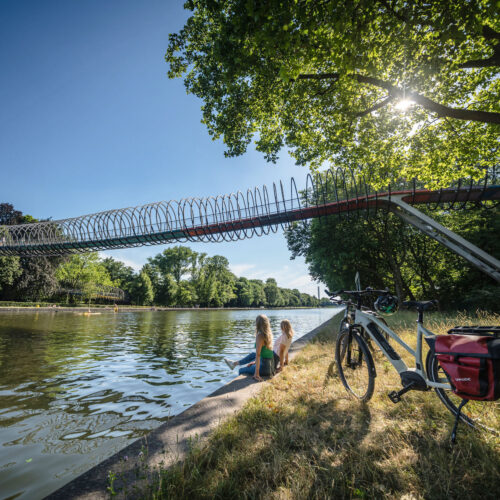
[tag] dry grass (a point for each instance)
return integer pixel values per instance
(304, 437)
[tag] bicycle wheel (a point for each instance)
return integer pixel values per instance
(355, 364)
(478, 414)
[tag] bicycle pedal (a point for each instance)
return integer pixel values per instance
(394, 397)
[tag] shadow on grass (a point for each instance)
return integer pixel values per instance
(265, 449)
(319, 443)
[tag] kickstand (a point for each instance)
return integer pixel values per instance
(457, 418)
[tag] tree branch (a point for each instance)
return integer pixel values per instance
(494, 60)
(490, 33)
(440, 109)
(318, 76)
(379, 105)
(481, 63)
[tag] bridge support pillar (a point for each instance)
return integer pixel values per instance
(477, 257)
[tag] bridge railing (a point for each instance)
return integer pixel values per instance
(237, 215)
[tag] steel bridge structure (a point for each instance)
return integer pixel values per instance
(257, 212)
(98, 292)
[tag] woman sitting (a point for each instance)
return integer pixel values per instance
(260, 362)
(282, 345)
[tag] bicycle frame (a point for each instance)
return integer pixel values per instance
(373, 326)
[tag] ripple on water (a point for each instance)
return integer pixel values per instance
(75, 389)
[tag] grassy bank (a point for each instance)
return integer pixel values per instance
(303, 437)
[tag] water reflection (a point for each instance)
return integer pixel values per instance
(75, 389)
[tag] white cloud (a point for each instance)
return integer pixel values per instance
(136, 266)
(240, 269)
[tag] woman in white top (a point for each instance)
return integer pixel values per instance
(282, 345)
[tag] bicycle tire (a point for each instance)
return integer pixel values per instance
(476, 414)
(353, 373)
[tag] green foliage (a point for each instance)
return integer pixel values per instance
(177, 261)
(10, 269)
(327, 80)
(38, 278)
(27, 278)
(84, 272)
(273, 295)
(121, 275)
(389, 253)
(182, 277)
(186, 295)
(9, 216)
(142, 292)
(216, 282)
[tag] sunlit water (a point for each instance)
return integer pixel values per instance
(75, 389)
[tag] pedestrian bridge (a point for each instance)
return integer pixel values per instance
(239, 215)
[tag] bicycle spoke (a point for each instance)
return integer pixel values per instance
(354, 367)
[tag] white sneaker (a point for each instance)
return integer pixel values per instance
(231, 364)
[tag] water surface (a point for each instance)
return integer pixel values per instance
(75, 389)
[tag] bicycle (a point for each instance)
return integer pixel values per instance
(362, 328)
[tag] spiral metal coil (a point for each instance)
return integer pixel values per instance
(235, 216)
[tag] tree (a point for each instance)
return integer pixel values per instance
(186, 295)
(34, 277)
(258, 293)
(9, 216)
(394, 87)
(121, 275)
(38, 278)
(85, 273)
(177, 261)
(244, 293)
(142, 292)
(273, 295)
(217, 282)
(10, 269)
(166, 290)
(388, 253)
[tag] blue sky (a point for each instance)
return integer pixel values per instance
(89, 121)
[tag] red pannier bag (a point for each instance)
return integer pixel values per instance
(472, 364)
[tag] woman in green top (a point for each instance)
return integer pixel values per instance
(260, 362)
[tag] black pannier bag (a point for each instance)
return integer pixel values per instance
(472, 364)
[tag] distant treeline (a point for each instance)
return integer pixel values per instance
(178, 276)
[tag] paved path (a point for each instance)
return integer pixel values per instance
(170, 442)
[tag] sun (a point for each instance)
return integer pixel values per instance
(404, 104)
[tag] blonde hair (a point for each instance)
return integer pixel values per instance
(263, 328)
(286, 326)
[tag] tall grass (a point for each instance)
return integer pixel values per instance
(304, 437)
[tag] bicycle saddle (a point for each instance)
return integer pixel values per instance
(420, 306)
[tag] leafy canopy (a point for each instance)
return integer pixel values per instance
(392, 86)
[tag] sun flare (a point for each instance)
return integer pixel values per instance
(404, 104)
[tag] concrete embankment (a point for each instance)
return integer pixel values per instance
(171, 441)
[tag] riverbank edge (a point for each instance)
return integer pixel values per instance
(169, 443)
(111, 309)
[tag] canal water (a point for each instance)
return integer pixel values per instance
(75, 389)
